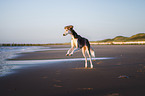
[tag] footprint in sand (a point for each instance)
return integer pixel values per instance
(44, 77)
(113, 94)
(57, 72)
(141, 68)
(100, 62)
(85, 88)
(57, 81)
(57, 86)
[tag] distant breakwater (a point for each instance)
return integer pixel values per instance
(14, 44)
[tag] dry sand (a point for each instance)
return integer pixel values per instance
(69, 78)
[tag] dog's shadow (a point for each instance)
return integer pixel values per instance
(83, 68)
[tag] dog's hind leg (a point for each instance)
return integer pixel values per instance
(91, 65)
(83, 51)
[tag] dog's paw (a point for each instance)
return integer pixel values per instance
(70, 54)
(91, 66)
(67, 54)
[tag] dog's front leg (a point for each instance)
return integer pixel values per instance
(67, 54)
(72, 47)
(76, 49)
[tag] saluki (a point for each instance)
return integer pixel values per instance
(78, 43)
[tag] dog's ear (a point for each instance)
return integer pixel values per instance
(66, 27)
(71, 27)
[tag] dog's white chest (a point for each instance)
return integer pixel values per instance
(75, 42)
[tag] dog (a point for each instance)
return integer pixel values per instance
(77, 43)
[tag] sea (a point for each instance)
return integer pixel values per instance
(9, 52)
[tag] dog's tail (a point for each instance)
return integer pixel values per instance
(90, 49)
(92, 52)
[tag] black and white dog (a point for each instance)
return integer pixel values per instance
(80, 43)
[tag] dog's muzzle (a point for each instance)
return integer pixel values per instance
(64, 35)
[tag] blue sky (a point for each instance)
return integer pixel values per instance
(43, 21)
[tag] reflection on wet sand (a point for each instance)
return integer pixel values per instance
(53, 60)
(15, 64)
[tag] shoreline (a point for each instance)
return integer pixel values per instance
(69, 78)
(91, 42)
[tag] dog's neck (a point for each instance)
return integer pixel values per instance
(74, 35)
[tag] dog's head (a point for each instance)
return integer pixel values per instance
(67, 30)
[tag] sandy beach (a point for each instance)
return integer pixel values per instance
(123, 75)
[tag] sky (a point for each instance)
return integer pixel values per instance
(43, 21)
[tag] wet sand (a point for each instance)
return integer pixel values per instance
(70, 78)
